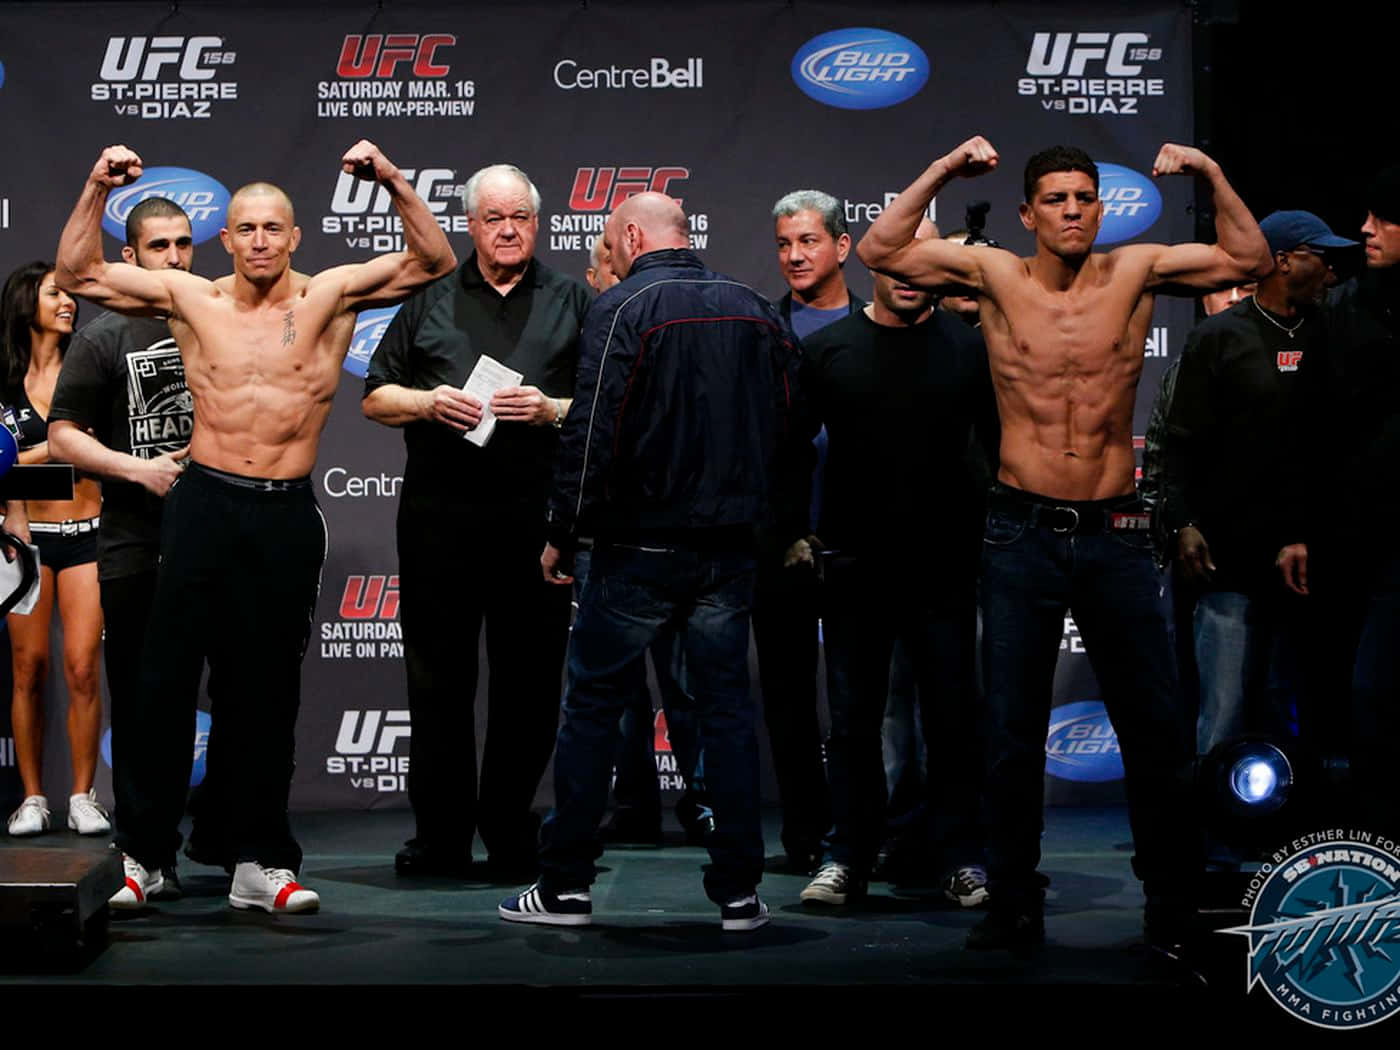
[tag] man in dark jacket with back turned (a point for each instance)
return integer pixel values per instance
(685, 388)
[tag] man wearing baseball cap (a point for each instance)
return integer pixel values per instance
(1229, 496)
(1354, 569)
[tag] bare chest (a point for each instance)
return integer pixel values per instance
(1093, 334)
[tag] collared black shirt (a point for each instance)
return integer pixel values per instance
(436, 338)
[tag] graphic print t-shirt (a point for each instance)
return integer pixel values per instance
(123, 379)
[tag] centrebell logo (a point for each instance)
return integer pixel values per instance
(657, 73)
(860, 68)
(1081, 744)
(203, 198)
(1131, 203)
(370, 327)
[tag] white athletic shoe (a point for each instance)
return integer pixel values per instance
(32, 817)
(271, 889)
(87, 816)
(140, 886)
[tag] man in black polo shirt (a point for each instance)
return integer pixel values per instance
(471, 526)
(1233, 453)
(900, 387)
(121, 411)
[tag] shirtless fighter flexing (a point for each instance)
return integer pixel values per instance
(242, 540)
(1065, 331)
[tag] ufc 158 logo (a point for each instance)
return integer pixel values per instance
(367, 621)
(1091, 73)
(362, 212)
(597, 191)
(165, 77)
(365, 750)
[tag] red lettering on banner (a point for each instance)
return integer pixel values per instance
(380, 56)
(603, 189)
(370, 597)
(662, 740)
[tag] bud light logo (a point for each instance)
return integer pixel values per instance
(370, 327)
(860, 68)
(204, 199)
(1082, 744)
(202, 724)
(1131, 204)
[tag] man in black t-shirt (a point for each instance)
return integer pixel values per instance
(121, 411)
(901, 389)
(1233, 447)
(471, 526)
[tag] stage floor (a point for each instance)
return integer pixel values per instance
(655, 934)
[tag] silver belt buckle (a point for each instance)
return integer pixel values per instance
(1072, 526)
(68, 528)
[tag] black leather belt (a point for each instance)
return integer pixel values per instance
(1122, 514)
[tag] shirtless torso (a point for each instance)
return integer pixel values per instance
(263, 346)
(1065, 328)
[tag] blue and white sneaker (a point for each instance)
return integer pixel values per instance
(538, 905)
(746, 913)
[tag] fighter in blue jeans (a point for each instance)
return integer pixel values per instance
(1065, 530)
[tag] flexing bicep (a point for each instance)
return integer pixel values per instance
(381, 281)
(1199, 267)
(129, 289)
(928, 263)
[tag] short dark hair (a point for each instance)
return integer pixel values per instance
(1058, 158)
(150, 208)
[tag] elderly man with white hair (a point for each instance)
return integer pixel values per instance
(471, 525)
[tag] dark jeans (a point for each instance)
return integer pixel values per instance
(785, 613)
(867, 604)
(455, 574)
(1247, 655)
(634, 595)
(239, 573)
(127, 602)
(636, 792)
(1030, 576)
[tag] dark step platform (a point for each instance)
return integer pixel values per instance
(57, 897)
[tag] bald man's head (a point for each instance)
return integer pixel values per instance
(262, 189)
(645, 223)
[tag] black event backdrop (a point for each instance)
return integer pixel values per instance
(725, 106)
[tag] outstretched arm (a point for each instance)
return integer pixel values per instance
(889, 245)
(80, 268)
(391, 278)
(1240, 252)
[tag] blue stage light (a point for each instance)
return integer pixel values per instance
(1260, 777)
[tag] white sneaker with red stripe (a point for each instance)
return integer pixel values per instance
(271, 889)
(140, 886)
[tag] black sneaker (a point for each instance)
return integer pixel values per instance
(1003, 928)
(538, 905)
(172, 890)
(745, 913)
(416, 859)
(967, 887)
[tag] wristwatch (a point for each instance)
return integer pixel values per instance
(558, 422)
